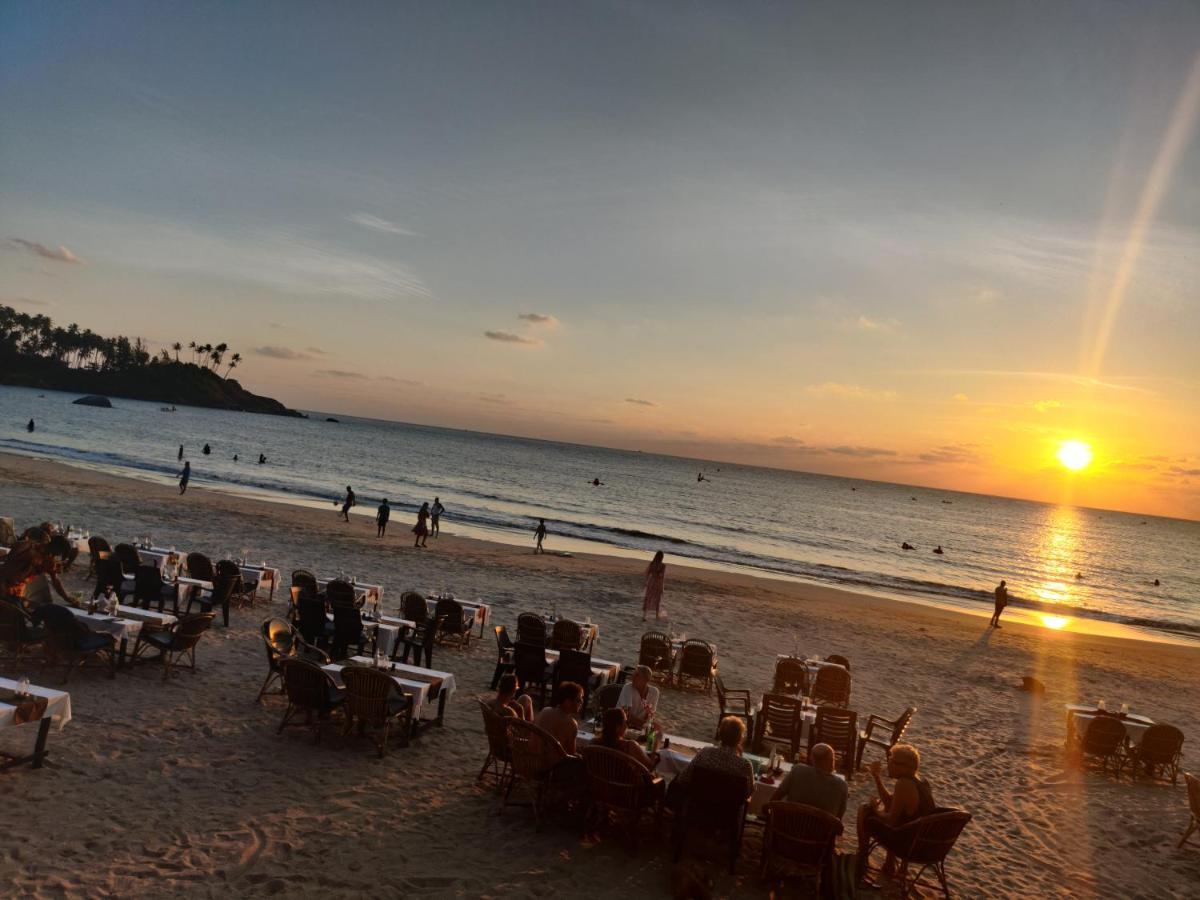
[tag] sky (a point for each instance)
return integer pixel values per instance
(922, 242)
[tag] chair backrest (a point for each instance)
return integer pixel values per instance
(223, 588)
(347, 624)
(800, 834)
(531, 629)
(128, 556)
(720, 691)
(716, 799)
(305, 684)
(534, 751)
(902, 724)
(933, 836)
(838, 660)
(413, 608)
(228, 570)
(836, 727)
(59, 621)
(1160, 744)
(311, 610)
(791, 676)
(340, 593)
(574, 665)
(109, 574)
(696, 658)
(616, 779)
(367, 693)
(504, 643)
(96, 545)
(279, 636)
(14, 623)
(432, 630)
(832, 685)
(607, 696)
(451, 612)
(655, 652)
(529, 662)
(1193, 787)
(147, 584)
(1103, 736)
(201, 567)
(567, 635)
(306, 581)
(780, 718)
(495, 726)
(189, 630)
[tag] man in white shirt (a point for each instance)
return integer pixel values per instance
(639, 698)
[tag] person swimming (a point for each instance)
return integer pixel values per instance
(938, 550)
(907, 546)
(180, 455)
(262, 458)
(207, 450)
(596, 482)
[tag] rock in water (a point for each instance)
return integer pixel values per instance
(331, 419)
(94, 400)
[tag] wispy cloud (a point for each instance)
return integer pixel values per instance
(539, 319)
(61, 254)
(508, 337)
(1066, 377)
(950, 453)
(366, 220)
(405, 381)
(1043, 405)
(866, 323)
(862, 452)
(848, 391)
(340, 373)
(25, 301)
(637, 401)
(499, 399)
(960, 398)
(274, 352)
(786, 440)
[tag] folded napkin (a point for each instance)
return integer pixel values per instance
(28, 707)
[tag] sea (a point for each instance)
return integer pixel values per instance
(815, 528)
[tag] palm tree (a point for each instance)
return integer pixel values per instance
(233, 361)
(177, 347)
(192, 347)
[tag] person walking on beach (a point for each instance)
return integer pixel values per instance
(347, 503)
(1001, 602)
(655, 574)
(435, 517)
(421, 530)
(185, 476)
(540, 534)
(381, 517)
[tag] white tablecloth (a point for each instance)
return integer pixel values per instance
(477, 611)
(146, 615)
(1079, 716)
(58, 704)
(424, 707)
(362, 590)
(121, 629)
(259, 575)
(604, 671)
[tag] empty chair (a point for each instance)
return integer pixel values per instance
(798, 840)
(347, 629)
(504, 654)
(420, 643)
(838, 661)
(413, 607)
(456, 627)
(831, 687)
(314, 624)
(1193, 789)
(18, 633)
(200, 567)
(893, 730)
(219, 598)
(306, 581)
(697, 661)
(576, 666)
(311, 691)
(69, 641)
(340, 591)
(531, 670)
(1104, 739)
(839, 729)
(1158, 752)
(567, 635)
(791, 677)
(499, 757)
(534, 755)
(734, 702)
(621, 787)
(924, 843)
(109, 574)
(656, 653)
(531, 629)
(779, 722)
(242, 594)
(96, 546)
(150, 591)
(129, 557)
(715, 803)
(282, 640)
(374, 700)
(175, 641)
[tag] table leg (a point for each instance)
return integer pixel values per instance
(39, 749)
(441, 716)
(121, 653)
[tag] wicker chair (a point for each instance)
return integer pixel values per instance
(96, 546)
(456, 627)
(715, 802)
(621, 788)
(309, 690)
(373, 699)
(831, 686)
(1104, 739)
(838, 660)
(283, 641)
(413, 608)
(656, 653)
(504, 654)
(567, 635)
(18, 633)
(531, 629)
(698, 661)
(241, 596)
(68, 640)
(923, 842)
(530, 667)
(894, 731)
(306, 581)
(779, 722)
(499, 757)
(200, 567)
(129, 557)
(1158, 751)
(174, 642)
(798, 841)
(839, 729)
(1193, 788)
(534, 754)
(734, 702)
(791, 677)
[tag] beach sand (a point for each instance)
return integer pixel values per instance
(184, 789)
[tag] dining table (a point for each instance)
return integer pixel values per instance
(260, 576)
(45, 706)
(1079, 716)
(430, 689)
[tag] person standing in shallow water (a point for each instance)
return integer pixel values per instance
(421, 530)
(1001, 602)
(435, 517)
(655, 575)
(179, 456)
(185, 476)
(381, 517)
(30, 426)
(540, 534)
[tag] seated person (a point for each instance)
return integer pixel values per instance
(815, 784)
(639, 698)
(910, 799)
(507, 703)
(726, 757)
(612, 735)
(29, 562)
(559, 720)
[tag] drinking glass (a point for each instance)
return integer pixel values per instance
(1124, 709)
(23, 684)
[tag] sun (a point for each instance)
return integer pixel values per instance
(1075, 455)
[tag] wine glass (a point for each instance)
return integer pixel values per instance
(23, 685)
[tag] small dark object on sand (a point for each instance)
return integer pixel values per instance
(332, 419)
(1031, 685)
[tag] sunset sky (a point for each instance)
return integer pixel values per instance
(921, 242)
